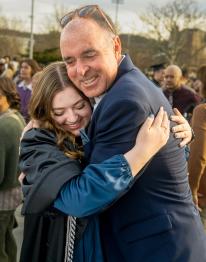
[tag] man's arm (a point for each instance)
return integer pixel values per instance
(119, 124)
(116, 128)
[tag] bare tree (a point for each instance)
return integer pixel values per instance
(10, 44)
(52, 22)
(15, 24)
(167, 22)
(3, 22)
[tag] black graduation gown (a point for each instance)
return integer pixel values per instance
(44, 226)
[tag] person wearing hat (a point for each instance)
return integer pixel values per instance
(158, 74)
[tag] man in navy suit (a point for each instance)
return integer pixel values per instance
(156, 220)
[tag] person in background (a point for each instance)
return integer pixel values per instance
(4, 70)
(158, 74)
(178, 95)
(9, 65)
(11, 126)
(185, 77)
(28, 67)
(15, 63)
(197, 157)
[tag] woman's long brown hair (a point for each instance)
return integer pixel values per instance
(50, 81)
(8, 89)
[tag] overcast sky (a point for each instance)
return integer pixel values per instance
(127, 15)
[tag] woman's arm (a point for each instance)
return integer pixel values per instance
(113, 177)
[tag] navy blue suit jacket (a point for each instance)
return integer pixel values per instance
(156, 220)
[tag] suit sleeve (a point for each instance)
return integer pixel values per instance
(117, 128)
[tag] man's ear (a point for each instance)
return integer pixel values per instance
(117, 47)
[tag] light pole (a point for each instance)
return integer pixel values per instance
(31, 42)
(117, 2)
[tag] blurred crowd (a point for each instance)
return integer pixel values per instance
(183, 89)
(21, 73)
(187, 92)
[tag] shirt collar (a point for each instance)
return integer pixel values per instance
(25, 86)
(122, 58)
(97, 100)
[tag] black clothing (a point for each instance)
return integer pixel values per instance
(45, 227)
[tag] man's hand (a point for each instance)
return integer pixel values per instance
(182, 129)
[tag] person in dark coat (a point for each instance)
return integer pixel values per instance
(51, 156)
(158, 71)
(149, 222)
(179, 96)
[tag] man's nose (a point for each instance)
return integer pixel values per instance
(81, 68)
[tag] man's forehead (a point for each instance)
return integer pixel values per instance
(84, 40)
(80, 25)
(171, 71)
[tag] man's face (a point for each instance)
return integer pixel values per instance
(25, 71)
(172, 79)
(91, 55)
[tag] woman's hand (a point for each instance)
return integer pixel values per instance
(182, 129)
